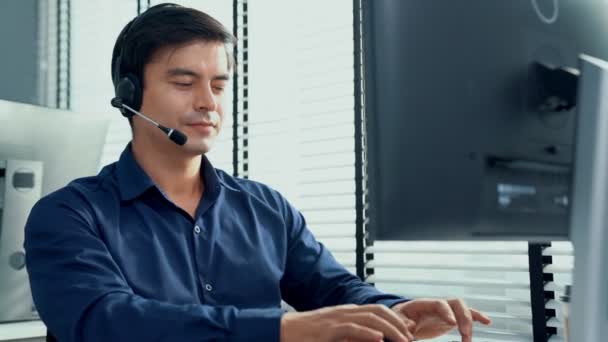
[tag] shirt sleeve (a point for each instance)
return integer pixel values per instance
(313, 277)
(81, 294)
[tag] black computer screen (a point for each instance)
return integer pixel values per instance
(456, 147)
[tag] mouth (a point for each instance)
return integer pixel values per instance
(203, 127)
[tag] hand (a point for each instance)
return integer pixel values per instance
(437, 317)
(372, 323)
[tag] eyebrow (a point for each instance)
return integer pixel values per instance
(188, 72)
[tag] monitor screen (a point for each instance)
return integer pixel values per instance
(69, 144)
(457, 148)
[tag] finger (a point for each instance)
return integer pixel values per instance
(340, 308)
(360, 340)
(445, 312)
(387, 314)
(410, 324)
(398, 320)
(464, 319)
(479, 317)
(352, 331)
(376, 322)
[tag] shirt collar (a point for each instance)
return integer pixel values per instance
(211, 180)
(134, 181)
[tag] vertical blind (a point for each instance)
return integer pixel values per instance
(64, 53)
(301, 112)
(47, 53)
(561, 267)
(95, 26)
(490, 276)
(54, 33)
(240, 106)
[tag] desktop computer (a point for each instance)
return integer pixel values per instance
(41, 150)
(20, 187)
(588, 214)
(488, 120)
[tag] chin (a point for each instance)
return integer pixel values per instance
(199, 147)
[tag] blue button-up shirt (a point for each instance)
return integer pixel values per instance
(112, 258)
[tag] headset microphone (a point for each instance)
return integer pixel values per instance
(173, 134)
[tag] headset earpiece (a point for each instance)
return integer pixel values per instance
(129, 90)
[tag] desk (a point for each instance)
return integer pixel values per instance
(22, 330)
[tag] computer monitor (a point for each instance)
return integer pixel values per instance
(461, 142)
(63, 145)
(589, 213)
(69, 144)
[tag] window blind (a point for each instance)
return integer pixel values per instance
(240, 104)
(561, 268)
(54, 33)
(95, 27)
(489, 276)
(300, 128)
(47, 53)
(64, 53)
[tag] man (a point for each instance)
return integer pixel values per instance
(160, 246)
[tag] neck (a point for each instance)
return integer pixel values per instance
(172, 170)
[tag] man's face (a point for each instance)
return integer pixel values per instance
(184, 89)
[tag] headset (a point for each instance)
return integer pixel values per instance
(128, 88)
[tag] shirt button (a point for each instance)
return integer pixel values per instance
(208, 287)
(197, 229)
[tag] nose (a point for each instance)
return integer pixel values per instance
(205, 100)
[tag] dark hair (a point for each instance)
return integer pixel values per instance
(161, 26)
